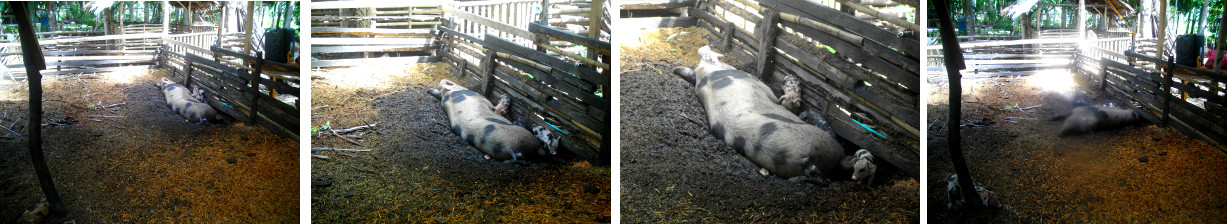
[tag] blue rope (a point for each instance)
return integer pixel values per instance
(867, 128)
(556, 128)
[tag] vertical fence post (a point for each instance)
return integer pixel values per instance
(545, 21)
(766, 46)
(255, 88)
(1167, 89)
(727, 34)
(487, 65)
(1103, 73)
(187, 74)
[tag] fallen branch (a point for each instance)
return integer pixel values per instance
(114, 105)
(355, 128)
(338, 150)
(11, 130)
(1020, 118)
(103, 116)
(385, 94)
(319, 157)
(334, 133)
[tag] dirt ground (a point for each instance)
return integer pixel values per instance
(140, 162)
(1142, 173)
(673, 170)
(418, 171)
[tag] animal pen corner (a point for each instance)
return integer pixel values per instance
(246, 87)
(551, 57)
(858, 65)
(1127, 61)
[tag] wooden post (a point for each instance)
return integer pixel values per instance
(121, 13)
(594, 26)
(1162, 34)
(767, 32)
(954, 63)
(487, 65)
(1103, 74)
(1167, 89)
(247, 28)
(32, 56)
(188, 74)
(255, 88)
(1082, 19)
(727, 35)
(545, 20)
(165, 19)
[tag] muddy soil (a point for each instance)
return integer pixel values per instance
(418, 171)
(1142, 173)
(140, 162)
(673, 170)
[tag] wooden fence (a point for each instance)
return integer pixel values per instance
(84, 54)
(569, 92)
(349, 33)
(496, 47)
(872, 79)
(248, 95)
(1165, 96)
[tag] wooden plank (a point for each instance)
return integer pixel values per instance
(210, 63)
(564, 89)
(90, 62)
(863, 102)
(601, 46)
(909, 46)
(975, 68)
(375, 32)
(371, 4)
(880, 97)
(93, 52)
(91, 70)
(373, 61)
(465, 36)
(277, 128)
(653, 4)
(1003, 56)
(369, 41)
(540, 102)
(490, 23)
(378, 48)
(656, 22)
(586, 74)
(893, 72)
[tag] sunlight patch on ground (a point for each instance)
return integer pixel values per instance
(1052, 80)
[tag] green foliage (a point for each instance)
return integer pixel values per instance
(316, 129)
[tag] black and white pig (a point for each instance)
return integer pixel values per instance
(954, 194)
(743, 112)
(473, 118)
(186, 104)
(1086, 119)
(862, 166)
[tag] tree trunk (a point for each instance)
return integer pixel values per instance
(969, 16)
(1201, 22)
